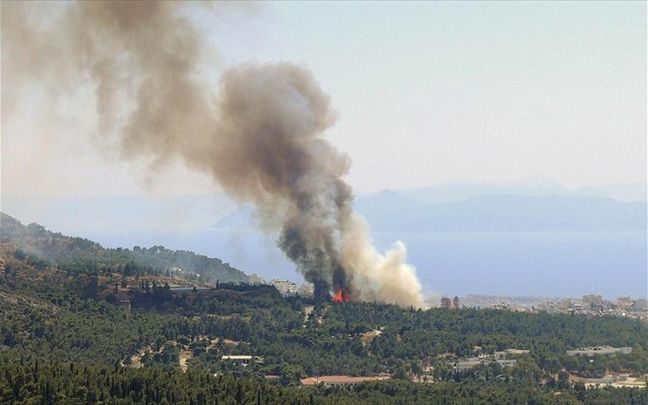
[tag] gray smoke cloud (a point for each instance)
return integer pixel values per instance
(259, 135)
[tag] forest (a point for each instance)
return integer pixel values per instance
(66, 336)
(33, 381)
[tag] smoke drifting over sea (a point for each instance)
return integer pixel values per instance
(258, 136)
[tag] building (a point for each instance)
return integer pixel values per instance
(472, 362)
(329, 380)
(517, 351)
(455, 302)
(565, 305)
(446, 303)
(285, 287)
(624, 303)
(185, 289)
(598, 351)
(306, 290)
(593, 301)
(467, 364)
(256, 279)
(243, 359)
(640, 304)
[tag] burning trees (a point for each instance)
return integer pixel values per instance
(341, 296)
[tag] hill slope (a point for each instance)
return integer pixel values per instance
(80, 255)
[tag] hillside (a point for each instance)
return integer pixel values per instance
(133, 338)
(80, 255)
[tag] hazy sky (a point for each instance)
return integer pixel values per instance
(426, 93)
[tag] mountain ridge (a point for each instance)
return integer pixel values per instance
(76, 254)
(391, 211)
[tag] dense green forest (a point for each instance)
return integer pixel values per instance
(33, 381)
(106, 331)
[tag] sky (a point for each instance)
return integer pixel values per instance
(425, 93)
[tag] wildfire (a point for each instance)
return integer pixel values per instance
(342, 295)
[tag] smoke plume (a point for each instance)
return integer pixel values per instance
(259, 135)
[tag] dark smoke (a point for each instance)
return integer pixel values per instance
(259, 136)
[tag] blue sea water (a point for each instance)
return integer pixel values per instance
(566, 264)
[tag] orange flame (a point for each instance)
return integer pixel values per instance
(342, 295)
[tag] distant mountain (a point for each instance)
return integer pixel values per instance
(381, 209)
(119, 214)
(392, 211)
(621, 192)
(452, 192)
(533, 238)
(533, 242)
(81, 255)
(502, 212)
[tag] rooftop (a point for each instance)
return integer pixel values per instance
(341, 379)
